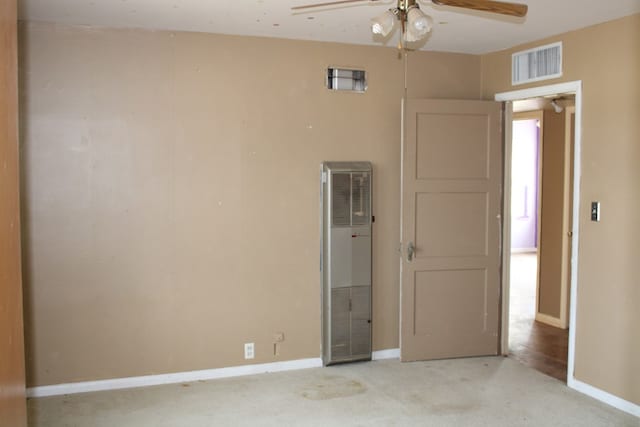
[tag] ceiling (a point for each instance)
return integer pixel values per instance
(455, 30)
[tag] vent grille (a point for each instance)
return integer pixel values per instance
(341, 202)
(340, 337)
(351, 200)
(347, 80)
(360, 321)
(360, 198)
(541, 63)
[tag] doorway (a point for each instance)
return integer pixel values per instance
(539, 264)
(538, 334)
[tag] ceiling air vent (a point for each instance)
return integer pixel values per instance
(540, 63)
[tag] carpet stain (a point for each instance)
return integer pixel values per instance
(333, 387)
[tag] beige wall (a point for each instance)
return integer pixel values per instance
(171, 201)
(551, 233)
(606, 58)
(12, 381)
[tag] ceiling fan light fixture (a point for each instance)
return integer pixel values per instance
(383, 24)
(415, 24)
(418, 24)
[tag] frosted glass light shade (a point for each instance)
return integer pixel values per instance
(383, 24)
(418, 25)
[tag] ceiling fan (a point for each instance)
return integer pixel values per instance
(415, 25)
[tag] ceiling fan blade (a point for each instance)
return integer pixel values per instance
(504, 8)
(331, 3)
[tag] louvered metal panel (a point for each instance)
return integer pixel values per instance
(340, 318)
(361, 320)
(341, 199)
(360, 198)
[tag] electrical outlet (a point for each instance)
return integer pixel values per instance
(249, 351)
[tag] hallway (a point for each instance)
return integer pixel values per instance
(532, 343)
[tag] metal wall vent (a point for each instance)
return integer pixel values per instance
(360, 198)
(341, 201)
(351, 199)
(540, 63)
(344, 79)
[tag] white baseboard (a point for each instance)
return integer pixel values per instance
(391, 353)
(550, 320)
(178, 377)
(524, 250)
(603, 396)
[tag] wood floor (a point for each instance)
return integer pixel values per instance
(532, 343)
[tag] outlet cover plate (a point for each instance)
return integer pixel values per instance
(249, 351)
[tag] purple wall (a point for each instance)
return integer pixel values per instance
(524, 184)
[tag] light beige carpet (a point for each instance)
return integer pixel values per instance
(465, 392)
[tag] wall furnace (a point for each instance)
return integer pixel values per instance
(346, 261)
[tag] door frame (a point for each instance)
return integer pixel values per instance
(508, 97)
(569, 132)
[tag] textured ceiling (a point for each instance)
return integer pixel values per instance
(456, 30)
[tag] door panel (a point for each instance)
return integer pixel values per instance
(450, 308)
(451, 204)
(456, 226)
(440, 139)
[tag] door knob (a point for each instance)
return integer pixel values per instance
(411, 250)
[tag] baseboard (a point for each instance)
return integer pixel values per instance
(391, 353)
(603, 396)
(178, 377)
(524, 251)
(550, 320)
